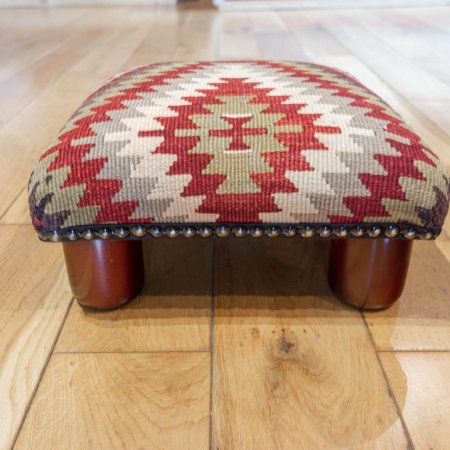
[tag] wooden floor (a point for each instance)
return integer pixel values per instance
(235, 344)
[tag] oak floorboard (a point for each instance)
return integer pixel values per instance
(197, 39)
(172, 313)
(33, 304)
(290, 363)
(109, 401)
(24, 51)
(238, 45)
(420, 319)
(22, 88)
(437, 111)
(47, 114)
(421, 379)
(282, 46)
(334, 50)
(167, 27)
(18, 212)
(266, 22)
(407, 78)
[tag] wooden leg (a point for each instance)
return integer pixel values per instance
(369, 273)
(104, 274)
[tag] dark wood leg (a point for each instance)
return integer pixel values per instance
(369, 273)
(104, 274)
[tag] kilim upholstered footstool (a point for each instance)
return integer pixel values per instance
(233, 149)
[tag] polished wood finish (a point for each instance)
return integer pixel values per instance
(369, 273)
(172, 312)
(420, 384)
(104, 274)
(292, 368)
(34, 301)
(121, 400)
(420, 321)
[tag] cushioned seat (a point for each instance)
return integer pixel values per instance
(219, 148)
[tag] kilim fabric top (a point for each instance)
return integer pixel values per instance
(254, 143)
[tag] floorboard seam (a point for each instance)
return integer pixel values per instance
(402, 97)
(11, 204)
(44, 368)
(414, 351)
(119, 352)
(388, 386)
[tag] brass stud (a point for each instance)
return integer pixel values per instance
(104, 234)
(290, 231)
(307, 232)
(223, 231)
(155, 232)
(374, 232)
(188, 231)
(71, 235)
(42, 235)
(138, 231)
(120, 232)
(54, 236)
(172, 232)
(88, 235)
(205, 231)
(426, 235)
(409, 233)
(324, 232)
(256, 232)
(341, 232)
(357, 231)
(273, 232)
(391, 231)
(239, 231)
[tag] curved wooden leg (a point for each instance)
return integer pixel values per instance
(104, 274)
(369, 273)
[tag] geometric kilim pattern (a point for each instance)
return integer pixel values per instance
(248, 143)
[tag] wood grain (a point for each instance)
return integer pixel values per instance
(121, 401)
(292, 368)
(22, 87)
(46, 40)
(236, 39)
(33, 303)
(422, 380)
(401, 89)
(420, 320)
(47, 113)
(250, 5)
(173, 311)
(18, 212)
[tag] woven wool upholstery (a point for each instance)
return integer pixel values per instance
(258, 142)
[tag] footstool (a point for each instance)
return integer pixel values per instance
(234, 149)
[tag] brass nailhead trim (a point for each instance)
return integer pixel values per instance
(205, 231)
(239, 231)
(391, 231)
(273, 232)
(188, 231)
(104, 234)
(88, 235)
(223, 231)
(155, 231)
(172, 232)
(308, 231)
(290, 231)
(257, 232)
(138, 231)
